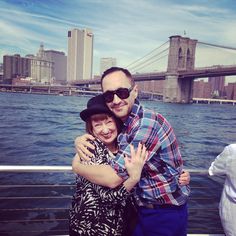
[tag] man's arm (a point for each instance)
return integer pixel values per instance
(218, 166)
(82, 144)
(98, 174)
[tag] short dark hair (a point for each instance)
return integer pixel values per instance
(114, 69)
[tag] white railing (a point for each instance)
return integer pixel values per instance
(13, 168)
(34, 168)
(42, 207)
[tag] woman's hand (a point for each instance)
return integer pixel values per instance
(135, 163)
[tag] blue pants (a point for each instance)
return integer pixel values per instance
(168, 221)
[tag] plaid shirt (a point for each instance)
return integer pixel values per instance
(159, 180)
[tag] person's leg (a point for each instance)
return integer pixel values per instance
(162, 222)
(138, 231)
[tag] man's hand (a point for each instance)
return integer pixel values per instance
(184, 178)
(82, 144)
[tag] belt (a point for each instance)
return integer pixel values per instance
(163, 206)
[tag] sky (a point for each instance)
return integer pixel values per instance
(126, 29)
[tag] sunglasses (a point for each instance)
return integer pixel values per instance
(122, 93)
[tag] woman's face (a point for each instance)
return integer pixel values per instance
(104, 128)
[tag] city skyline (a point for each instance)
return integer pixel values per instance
(125, 30)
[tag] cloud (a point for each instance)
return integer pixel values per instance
(125, 29)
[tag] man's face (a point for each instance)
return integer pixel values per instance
(120, 107)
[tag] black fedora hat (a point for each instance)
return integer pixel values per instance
(95, 105)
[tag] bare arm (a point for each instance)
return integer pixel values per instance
(106, 176)
(98, 174)
(134, 166)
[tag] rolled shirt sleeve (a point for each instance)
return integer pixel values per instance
(219, 166)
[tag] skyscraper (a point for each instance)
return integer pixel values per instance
(80, 55)
(106, 63)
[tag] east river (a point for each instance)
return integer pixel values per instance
(40, 130)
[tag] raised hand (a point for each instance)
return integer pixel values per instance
(135, 163)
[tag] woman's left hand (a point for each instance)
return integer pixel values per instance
(135, 163)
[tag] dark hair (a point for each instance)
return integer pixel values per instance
(114, 69)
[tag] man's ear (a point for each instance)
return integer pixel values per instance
(135, 90)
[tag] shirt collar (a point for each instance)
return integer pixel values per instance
(134, 112)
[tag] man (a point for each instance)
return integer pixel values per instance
(224, 165)
(161, 199)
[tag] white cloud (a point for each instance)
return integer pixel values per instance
(125, 29)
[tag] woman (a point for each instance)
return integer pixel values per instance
(98, 210)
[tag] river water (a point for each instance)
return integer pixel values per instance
(40, 130)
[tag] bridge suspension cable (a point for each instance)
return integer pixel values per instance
(216, 45)
(140, 59)
(150, 61)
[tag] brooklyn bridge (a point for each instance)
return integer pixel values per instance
(181, 71)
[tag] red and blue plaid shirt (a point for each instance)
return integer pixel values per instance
(159, 180)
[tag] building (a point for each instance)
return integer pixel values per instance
(106, 63)
(80, 55)
(1, 72)
(59, 61)
(202, 89)
(231, 91)
(41, 67)
(15, 66)
(217, 84)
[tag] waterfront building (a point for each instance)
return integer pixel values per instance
(155, 86)
(15, 65)
(106, 63)
(41, 67)
(217, 85)
(80, 55)
(59, 61)
(202, 89)
(231, 91)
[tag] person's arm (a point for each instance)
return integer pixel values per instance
(106, 176)
(134, 166)
(218, 167)
(98, 174)
(82, 146)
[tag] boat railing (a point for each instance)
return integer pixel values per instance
(47, 214)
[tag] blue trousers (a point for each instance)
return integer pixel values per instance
(167, 221)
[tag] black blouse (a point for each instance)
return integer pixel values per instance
(98, 210)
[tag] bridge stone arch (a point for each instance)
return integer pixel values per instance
(181, 58)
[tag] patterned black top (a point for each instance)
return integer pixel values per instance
(98, 210)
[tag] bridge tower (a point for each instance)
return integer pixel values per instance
(181, 57)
